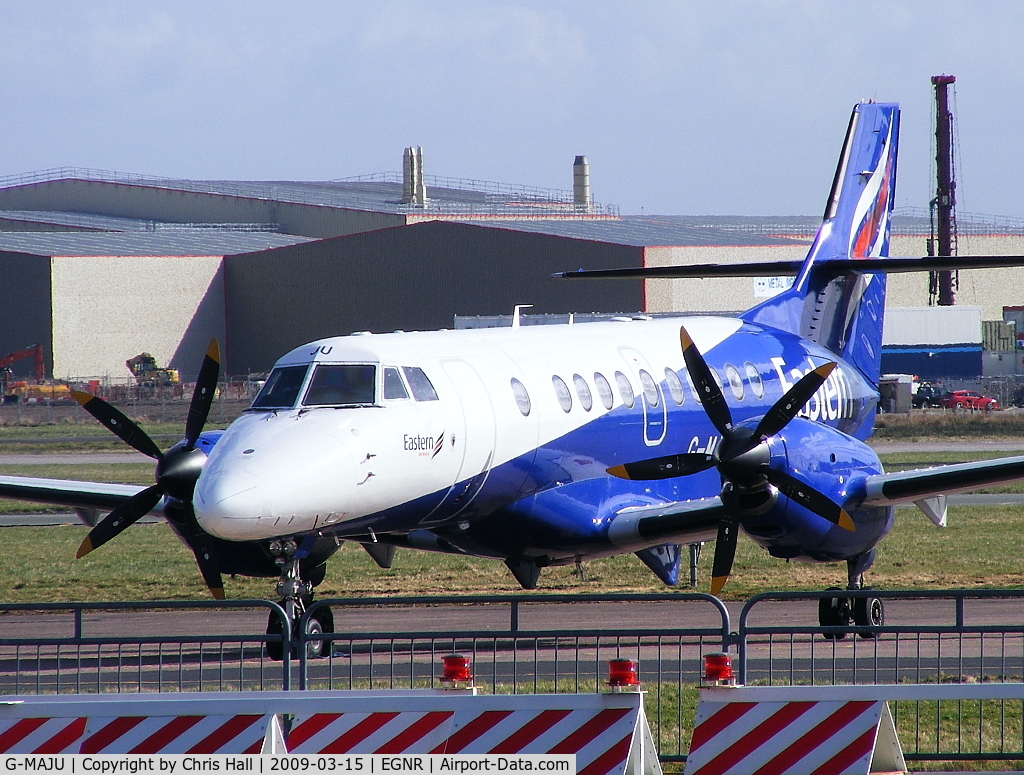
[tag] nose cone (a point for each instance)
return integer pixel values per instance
(262, 484)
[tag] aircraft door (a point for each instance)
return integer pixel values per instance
(475, 444)
(652, 400)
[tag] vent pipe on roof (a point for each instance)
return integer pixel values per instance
(581, 185)
(414, 188)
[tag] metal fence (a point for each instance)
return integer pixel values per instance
(957, 636)
(549, 643)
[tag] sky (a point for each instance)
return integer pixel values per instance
(682, 108)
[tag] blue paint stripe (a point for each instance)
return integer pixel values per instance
(923, 349)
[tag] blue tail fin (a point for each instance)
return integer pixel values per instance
(843, 310)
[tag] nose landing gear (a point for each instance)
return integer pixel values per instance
(296, 598)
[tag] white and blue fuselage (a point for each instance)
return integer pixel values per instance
(504, 450)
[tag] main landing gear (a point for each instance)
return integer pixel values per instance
(842, 611)
(296, 598)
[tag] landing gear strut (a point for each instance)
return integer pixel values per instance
(296, 598)
(842, 611)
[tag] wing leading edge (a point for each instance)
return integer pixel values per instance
(70, 493)
(928, 487)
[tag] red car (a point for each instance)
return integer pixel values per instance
(968, 399)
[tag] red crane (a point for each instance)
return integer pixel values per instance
(35, 351)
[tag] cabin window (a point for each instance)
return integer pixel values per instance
(583, 392)
(420, 384)
(282, 388)
(693, 388)
(675, 387)
(562, 393)
(754, 379)
(604, 390)
(394, 387)
(735, 381)
(625, 389)
(651, 392)
(341, 385)
(521, 396)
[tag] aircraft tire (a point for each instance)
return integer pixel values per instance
(322, 621)
(833, 612)
(275, 649)
(868, 612)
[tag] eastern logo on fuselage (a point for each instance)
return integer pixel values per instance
(832, 401)
(423, 445)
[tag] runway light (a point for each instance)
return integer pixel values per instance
(457, 673)
(623, 674)
(718, 668)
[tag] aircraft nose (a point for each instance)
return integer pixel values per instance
(259, 493)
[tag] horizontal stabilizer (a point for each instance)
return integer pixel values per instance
(887, 264)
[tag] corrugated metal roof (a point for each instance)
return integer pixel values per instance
(641, 231)
(381, 192)
(183, 242)
(96, 222)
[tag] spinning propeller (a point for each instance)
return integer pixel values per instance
(741, 458)
(177, 470)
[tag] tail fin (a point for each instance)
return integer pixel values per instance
(843, 310)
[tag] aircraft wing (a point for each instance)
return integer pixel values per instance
(64, 492)
(667, 523)
(928, 487)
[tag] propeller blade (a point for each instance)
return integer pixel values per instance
(121, 518)
(725, 551)
(810, 499)
(786, 408)
(664, 467)
(710, 394)
(115, 422)
(202, 396)
(202, 546)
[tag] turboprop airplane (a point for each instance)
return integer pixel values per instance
(551, 445)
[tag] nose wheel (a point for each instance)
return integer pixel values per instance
(296, 598)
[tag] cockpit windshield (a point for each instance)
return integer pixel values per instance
(282, 388)
(350, 384)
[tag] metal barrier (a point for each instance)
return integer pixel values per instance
(549, 644)
(527, 644)
(99, 647)
(519, 644)
(948, 643)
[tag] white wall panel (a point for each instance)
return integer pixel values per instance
(960, 324)
(107, 309)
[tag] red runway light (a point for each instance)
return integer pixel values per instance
(717, 667)
(623, 673)
(456, 670)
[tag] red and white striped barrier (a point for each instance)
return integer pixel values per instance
(608, 733)
(40, 735)
(232, 722)
(241, 733)
(794, 730)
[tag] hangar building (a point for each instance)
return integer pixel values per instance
(101, 266)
